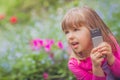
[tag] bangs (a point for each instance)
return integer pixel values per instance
(72, 21)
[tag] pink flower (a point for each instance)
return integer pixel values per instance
(13, 19)
(37, 44)
(45, 76)
(60, 45)
(50, 41)
(47, 47)
(48, 44)
(41, 42)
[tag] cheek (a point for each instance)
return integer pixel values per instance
(85, 39)
(88, 41)
(88, 38)
(84, 36)
(67, 39)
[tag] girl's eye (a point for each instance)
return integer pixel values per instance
(76, 29)
(66, 32)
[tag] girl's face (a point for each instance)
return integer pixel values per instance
(79, 39)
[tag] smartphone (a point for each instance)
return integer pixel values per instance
(97, 37)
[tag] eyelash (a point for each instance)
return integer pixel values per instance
(66, 32)
(76, 29)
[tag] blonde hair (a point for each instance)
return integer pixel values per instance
(76, 17)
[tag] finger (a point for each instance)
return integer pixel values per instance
(103, 49)
(105, 52)
(101, 59)
(94, 50)
(98, 55)
(103, 44)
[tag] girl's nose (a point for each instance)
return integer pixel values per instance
(71, 36)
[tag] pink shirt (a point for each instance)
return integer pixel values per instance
(83, 71)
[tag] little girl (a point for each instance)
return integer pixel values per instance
(87, 62)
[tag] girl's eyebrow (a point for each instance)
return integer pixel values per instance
(65, 30)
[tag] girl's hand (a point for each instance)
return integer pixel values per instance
(105, 49)
(96, 57)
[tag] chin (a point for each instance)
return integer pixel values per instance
(77, 51)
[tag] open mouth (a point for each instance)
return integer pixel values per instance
(75, 44)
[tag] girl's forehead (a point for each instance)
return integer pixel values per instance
(72, 25)
(73, 20)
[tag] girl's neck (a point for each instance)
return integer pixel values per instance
(84, 54)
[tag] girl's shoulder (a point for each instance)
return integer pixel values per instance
(73, 59)
(73, 63)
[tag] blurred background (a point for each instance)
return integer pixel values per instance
(32, 45)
